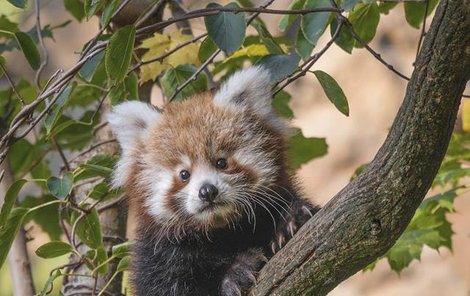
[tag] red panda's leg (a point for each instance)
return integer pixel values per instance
(299, 213)
(241, 275)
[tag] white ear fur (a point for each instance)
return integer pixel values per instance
(131, 120)
(250, 87)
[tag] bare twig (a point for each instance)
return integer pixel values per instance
(61, 153)
(215, 10)
(168, 53)
(12, 85)
(373, 52)
(93, 147)
(155, 7)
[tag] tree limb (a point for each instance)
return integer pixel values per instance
(366, 217)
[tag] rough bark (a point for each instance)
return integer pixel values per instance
(366, 217)
(18, 258)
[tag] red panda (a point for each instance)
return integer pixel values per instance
(209, 181)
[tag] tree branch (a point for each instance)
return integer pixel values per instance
(366, 217)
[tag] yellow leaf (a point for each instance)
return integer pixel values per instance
(251, 50)
(466, 115)
(158, 45)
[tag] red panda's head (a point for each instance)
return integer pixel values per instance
(198, 162)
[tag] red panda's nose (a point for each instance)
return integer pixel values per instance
(208, 192)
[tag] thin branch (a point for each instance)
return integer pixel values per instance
(373, 52)
(155, 7)
(61, 153)
(215, 10)
(12, 85)
(93, 147)
(168, 53)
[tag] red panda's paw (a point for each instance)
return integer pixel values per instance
(299, 213)
(241, 276)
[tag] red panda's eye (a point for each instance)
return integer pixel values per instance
(184, 175)
(221, 163)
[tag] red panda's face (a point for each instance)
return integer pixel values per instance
(201, 161)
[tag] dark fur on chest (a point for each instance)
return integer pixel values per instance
(197, 263)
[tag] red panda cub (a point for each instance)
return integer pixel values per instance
(209, 182)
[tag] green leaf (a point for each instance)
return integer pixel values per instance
(19, 3)
(9, 26)
(89, 229)
(52, 118)
(414, 12)
(98, 256)
(344, 39)
(53, 249)
(314, 24)
(226, 29)
(175, 77)
(365, 19)
(347, 5)
(246, 3)
(207, 48)
(385, 7)
(76, 8)
(93, 6)
(123, 249)
(108, 12)
(9, 202)
(280, 65)
(451, 177)
(29, 49)
(127, 90)
(103, 191)
(124, 264)
(90, 66)
(302, 46)
(46, 217)
(333, 91)
(119, 53)
(100, 165)
(267, 38)
(8, 231)
(288, 19)
(22, 156)
(301, 150)
(60, 187)
(280, 103)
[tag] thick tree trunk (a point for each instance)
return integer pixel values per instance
(365, 218)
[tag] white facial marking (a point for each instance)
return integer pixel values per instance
(161, 181)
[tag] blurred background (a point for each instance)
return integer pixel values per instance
(374, 94)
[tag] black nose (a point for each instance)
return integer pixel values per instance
(208, 192)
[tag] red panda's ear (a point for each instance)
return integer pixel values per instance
(248, 88)
(131, 120)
